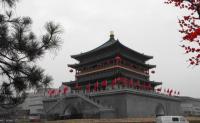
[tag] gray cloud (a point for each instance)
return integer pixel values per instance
(149, 27)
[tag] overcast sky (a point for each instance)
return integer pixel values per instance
(148, 26)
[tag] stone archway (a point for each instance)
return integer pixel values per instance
(67, 111)
(159, 111)
(72, 111)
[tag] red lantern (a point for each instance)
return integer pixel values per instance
(104, 83)
(96, 86)
(137, 84)
(70, 70)
(117, 58)
(113, 83)
(65, 89)
(88, 88)
(59, 91)
(49, 92)
(52, 92)
(131, 83)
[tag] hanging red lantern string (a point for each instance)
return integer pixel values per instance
(124, 82)
(137, 84)
(114, 81)
(96, 86)
(52, 92)
(49, 92)
(104, 84)
(131, 83)
(88, 88)
(65, 89)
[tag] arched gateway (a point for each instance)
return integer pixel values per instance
(72, 112)
(160, 111)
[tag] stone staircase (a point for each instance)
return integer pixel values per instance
(83, 97)
(93, 102)
(59, 100)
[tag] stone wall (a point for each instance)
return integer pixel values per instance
(133, 104)
(141, 105)
(124, 103)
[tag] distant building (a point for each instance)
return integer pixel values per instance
(13, 113)
(111, 80)
(190, 106)
(34, 102)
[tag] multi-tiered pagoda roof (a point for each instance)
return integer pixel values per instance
(118, 47)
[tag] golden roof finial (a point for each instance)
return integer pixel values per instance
(111, 32)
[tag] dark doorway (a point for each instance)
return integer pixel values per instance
(73, 113)
(160, 111)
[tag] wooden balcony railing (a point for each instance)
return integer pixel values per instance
(113, 65)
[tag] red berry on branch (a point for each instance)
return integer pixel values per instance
(192, 62)
(186, 17)
(197, 50)
(198, 56)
